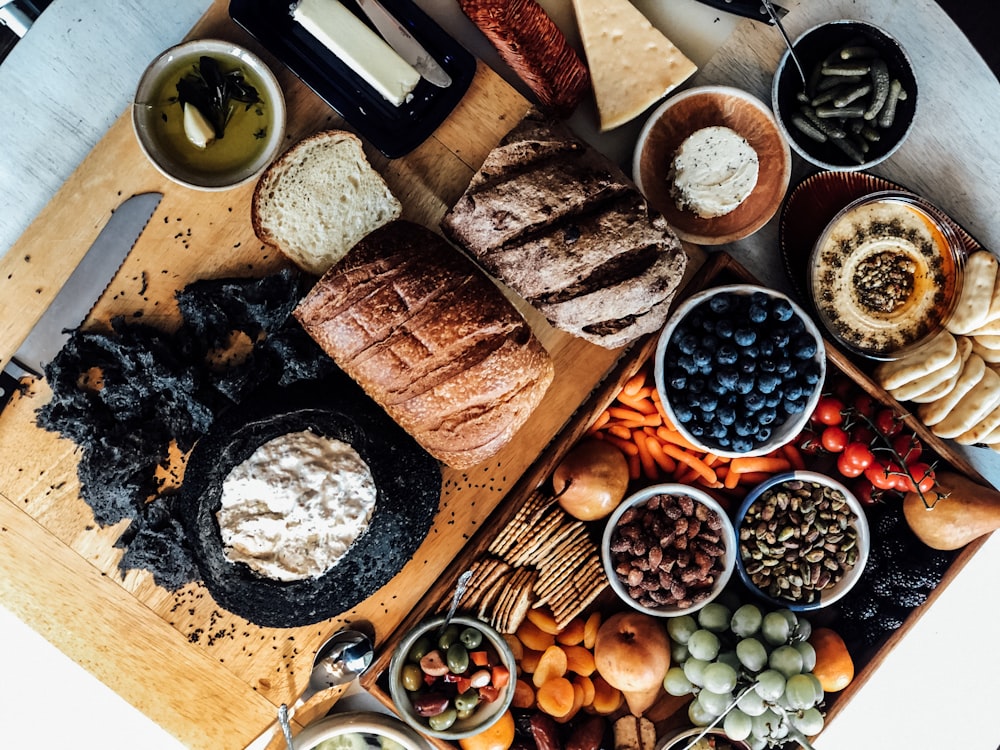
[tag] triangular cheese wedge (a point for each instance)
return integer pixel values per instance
(632, 65)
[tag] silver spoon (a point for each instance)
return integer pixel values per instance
(460, 586)
(344, 656)
(784, 35)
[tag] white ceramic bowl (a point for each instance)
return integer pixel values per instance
(369, 724)
(782, 433)
(727, 539)
(486, 713)
(832, 593)
(701, 107)
(812, 47)
(679, 740)
(157, 119)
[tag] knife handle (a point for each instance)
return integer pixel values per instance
(751, 9)
(8, 384)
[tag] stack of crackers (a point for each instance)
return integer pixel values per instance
(542, 557)
(955, 378)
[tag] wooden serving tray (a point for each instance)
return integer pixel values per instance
(719, 269)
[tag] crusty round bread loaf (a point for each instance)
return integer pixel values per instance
(319, 198)
(432, 340)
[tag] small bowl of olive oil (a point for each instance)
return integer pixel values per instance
(209, 114)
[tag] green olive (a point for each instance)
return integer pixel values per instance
(471, 637)
(458, 658)
(443, 720)
(412, 677)
(419, 649)
(467, 701)
(448, 637)
(466, 713)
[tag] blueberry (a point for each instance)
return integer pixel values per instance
(694, 400)
(724, 329)
(757, 313)
(720, 303)
(742, 444)
(726, 377)
(683, 413)
(686, 361)
(747, 366)
(744, 336)
(751, 352)
(708, 325)
(794, 405)
(767, 382)
(782, 364)
(726, 415)
(793, 392)
(763, 434)
(773, 400)
(766, 349)
(744, 383)
(766, 416)
(760, 298)
(804, 347)
(754, 401)
(781, 309)
(709, 402)
(716, 388)
(744, 427)
(705, 369)
(686, 343)
(779, 339)
(696, 429)
(701, 356)
(726, 355)
(717, 430)
(794, 326)
(678, 382)
(767, 364)
(810, 373)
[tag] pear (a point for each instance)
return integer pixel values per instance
(591, 479)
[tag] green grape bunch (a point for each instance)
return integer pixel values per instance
(749, 670)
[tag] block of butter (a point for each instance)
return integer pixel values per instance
(364, 51)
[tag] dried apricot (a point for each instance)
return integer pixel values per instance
(529, 660)
(607, 699)
(587, 685)
(534, 637)
(578, 697)
(524, 695)
(544, 620)
(834, 667)
(556, 697)
(590, 628)
(516, 647)
(572, 634)
(579, 660)
(552, 663)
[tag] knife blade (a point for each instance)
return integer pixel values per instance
(405, 44)
(81, 291)
(752, 9)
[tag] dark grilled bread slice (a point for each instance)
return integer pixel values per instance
(563, 227)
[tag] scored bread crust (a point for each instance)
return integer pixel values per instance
(432, 340)
(319, 198)
(563, 227)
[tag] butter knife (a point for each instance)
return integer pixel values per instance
(81, 291)
(752, 9)
(405, 44)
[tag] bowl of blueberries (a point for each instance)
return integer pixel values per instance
(739, 369)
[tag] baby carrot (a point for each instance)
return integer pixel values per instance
(649, 468)
(691, 460)
(664, 461)
(628, 415)
(627, 446)
(620, 431)
(634, 384)
(640, 403)
(751, 464)
(794, 456)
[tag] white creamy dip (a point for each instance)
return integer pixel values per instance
(713, 172)
(294, 507)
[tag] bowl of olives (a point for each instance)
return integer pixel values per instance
(452, 681)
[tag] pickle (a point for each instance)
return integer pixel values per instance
(888, 113)
(880, 88)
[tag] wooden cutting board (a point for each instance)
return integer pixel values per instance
(208, 677)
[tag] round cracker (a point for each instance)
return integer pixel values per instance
(973, 406)
(976, 295)
(973, 371)
(989, 340)
(938, 352)
(921, 385)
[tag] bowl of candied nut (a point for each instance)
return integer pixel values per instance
(668, 550)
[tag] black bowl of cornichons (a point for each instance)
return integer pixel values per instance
(859, 100)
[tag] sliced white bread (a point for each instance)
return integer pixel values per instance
(319, 198)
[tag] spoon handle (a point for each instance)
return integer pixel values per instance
(769, 7)
(286, 728)
(460, 586)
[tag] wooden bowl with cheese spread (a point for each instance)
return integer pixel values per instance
(680, 124)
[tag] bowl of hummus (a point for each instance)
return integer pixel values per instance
(713, 161)
(885, 274)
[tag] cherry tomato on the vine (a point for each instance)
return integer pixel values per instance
(883, 474)
(809, 442)
(834, 439)
(908, 447)
(920, 476)
(865, 404)
(862, 433)
(829, 410)
(866, 492)
(858, 455)
(847, 467)
(888, 423)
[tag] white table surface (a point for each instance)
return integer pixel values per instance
(72, 76)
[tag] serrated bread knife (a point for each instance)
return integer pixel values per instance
(80, 292)
(405, 44)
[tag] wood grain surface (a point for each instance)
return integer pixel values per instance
(208, 677)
